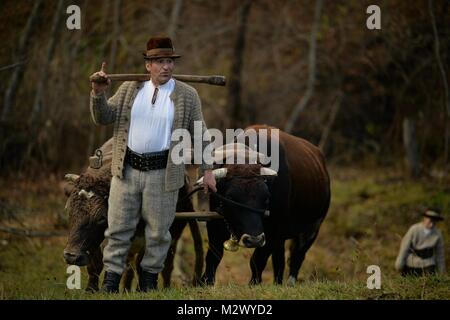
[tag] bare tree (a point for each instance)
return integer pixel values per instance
(334, 111)
(174, 18)
(115, 36)
(311, 70)
(113, 53)
(43, 75)
(444, 80)
(23, 49)
(234, 82)
(103, 25)
(410, 144)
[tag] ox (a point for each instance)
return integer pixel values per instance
(297, 198)
(87, 206)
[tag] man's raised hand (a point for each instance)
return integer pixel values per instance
(99, 80)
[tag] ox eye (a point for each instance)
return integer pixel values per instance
(101, 221)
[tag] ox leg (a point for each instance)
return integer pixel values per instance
(217, 235)
(133, 265)
(128, 275)
(94, 268)
(258, 262)
(278, 262)
(139, 258)
(175, 230)
(199, 255)
(299, 247)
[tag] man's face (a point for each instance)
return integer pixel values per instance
(429, 223)
(161, 69)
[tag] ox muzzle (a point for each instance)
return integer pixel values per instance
(248, 241)
(79, 259)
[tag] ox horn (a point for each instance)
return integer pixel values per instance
(218, 173)
(71, 177)
(233, 150)
(229, 150)
(268, 172)
(86, 194)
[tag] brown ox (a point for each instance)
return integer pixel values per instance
(268, 208)
(87, 206)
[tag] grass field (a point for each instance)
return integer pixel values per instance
(370, 212)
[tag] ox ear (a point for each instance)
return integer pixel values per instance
(268, 172)
(70, 177)
(218, 173)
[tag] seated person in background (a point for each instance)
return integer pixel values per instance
(422, 248)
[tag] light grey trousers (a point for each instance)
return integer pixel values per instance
(139, 194)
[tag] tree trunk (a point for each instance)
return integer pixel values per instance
(446, 140)
(92, 141)
(326, 131)
(43, 75)
(411, 148)
(311, 70)
(444, 80)
(113, 55)
(23, 50)
(115, 37)
(174, 18)
(234, 82)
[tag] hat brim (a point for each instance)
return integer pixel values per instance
(437, 218)
(173, 56)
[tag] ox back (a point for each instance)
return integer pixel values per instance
(300, 195)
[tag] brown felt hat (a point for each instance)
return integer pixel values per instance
(160, 47)
(433, 215)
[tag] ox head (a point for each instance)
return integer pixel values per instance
(87, 206)
(247, 188)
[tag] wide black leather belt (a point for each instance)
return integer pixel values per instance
(147, 161)
(423, 253)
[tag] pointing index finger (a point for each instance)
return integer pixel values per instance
(104, 67)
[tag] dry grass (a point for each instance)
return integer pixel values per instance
(370, 212)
